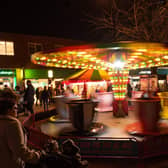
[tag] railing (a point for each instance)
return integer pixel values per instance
(92, 147)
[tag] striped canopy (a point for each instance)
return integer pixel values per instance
(90, 75)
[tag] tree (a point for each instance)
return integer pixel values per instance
(141, 20)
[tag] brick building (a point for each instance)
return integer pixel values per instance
(15, 59)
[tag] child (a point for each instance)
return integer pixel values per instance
(68, 157)
(72, 151)
(54, 157)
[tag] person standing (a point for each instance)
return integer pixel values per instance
(45, 98)
(29, 97)
(129, 93)
(37, 95)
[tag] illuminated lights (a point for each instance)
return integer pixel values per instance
(54, 60)
(64, 61)
(37, 58)
(118, 64)
(165, 57)
(87, 55)
(157, 59)
(50, 73)
(139, 55)
(142, 50)
(43, 58)
(81, 53)
(131, 59)
(98, 61)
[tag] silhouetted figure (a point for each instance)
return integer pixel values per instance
(109, 87)
(29, 97)
(45, 98)
(72, 151)
(68, 157)
(129, 92)
(37, 95)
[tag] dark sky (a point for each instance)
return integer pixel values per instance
(60, 18)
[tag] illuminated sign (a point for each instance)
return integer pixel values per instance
(6, 73)
(50, 73)
(145, 72)
(162, 70)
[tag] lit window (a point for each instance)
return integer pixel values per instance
(7, 48)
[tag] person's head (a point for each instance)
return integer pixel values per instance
(51, 146)
(28, 82)
(17, 88)
(69, 147)
(5, 86)
(8, 103)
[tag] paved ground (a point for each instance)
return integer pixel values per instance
(117, 124)
(37, 109)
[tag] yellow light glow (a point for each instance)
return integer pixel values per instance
(165, 57)
(157, 59)
(43, 58)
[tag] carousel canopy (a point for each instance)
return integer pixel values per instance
(127, 55)
(89, 75)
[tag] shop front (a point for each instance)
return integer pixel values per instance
(144, 79)
(162, 78)
(7, 77)
(46, 77)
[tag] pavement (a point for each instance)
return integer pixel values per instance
(37, 109)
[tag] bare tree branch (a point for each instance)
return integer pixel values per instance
(144, 20)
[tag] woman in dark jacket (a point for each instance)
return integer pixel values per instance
(29, 97)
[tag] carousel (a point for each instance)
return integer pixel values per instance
(116, 59)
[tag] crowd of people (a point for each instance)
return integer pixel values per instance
(28, 96)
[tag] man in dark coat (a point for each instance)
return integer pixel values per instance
(45, 96)
(129, 92)
(29, 97)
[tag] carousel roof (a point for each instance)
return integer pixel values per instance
(89, 75)
(133, 55)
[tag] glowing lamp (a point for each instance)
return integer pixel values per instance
(50, 74)
(118, 64)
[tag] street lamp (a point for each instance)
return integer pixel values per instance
(50, 76)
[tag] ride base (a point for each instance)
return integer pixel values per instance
(107, 144)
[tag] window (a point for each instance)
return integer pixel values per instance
(7, 48)
(34, 47)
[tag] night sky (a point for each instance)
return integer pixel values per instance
(59, 18)
(63, 18)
